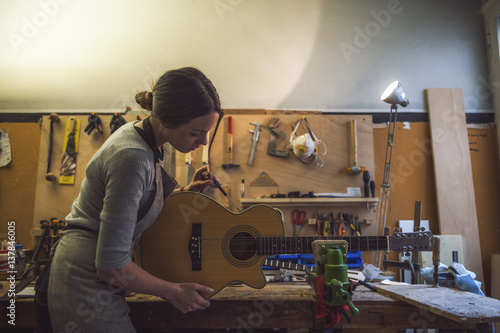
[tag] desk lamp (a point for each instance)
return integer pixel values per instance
(393, 95)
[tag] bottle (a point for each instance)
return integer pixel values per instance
(242, 188)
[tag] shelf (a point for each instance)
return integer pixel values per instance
(308, 201)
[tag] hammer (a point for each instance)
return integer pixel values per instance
(228, 149)
(354, 169)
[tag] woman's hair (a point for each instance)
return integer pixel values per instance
(179, 96)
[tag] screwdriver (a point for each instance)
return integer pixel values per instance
(216, 182)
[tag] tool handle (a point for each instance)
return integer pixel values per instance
(354, 143)
(216, 182)
(436, 251)
(372, 188)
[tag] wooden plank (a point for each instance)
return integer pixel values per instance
(495, 280)
(453, 173)
(458, 305)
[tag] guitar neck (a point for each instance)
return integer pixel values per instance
(291, 245)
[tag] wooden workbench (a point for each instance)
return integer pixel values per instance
(285, 305)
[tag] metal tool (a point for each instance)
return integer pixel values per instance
(341, 227)
(273, 138)
(255, 139)
(354, 224)
(299, 217)
(216, 182)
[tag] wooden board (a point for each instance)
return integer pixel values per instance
(460, 306)
(495, 280)
(54, 200)
(453, 173)
(51, 198)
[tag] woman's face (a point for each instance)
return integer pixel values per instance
(188, 137)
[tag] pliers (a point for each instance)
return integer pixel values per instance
(341, 228)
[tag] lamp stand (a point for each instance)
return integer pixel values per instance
(386, 186)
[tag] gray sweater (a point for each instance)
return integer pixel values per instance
(118, 189)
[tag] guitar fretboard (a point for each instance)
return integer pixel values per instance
(292, 245)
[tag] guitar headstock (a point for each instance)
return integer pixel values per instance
(411, 241)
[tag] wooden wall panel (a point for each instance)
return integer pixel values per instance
(18, 180)
(51, 198)
(411, 178)
(291, 174)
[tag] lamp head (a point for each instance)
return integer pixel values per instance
(394, 95)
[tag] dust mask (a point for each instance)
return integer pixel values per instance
(305, 145)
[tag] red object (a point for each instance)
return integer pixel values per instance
(331, 315)
(230, 125)
(299, 217)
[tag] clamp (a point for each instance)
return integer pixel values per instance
(95, 123)
(331, 260)
(273, 138)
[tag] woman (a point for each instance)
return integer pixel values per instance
(122, 194)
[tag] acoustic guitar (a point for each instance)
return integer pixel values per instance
(195, 239)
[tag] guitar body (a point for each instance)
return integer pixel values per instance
(195, 239)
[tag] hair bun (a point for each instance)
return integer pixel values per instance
(145, 100)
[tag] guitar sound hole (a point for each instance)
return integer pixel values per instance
(243, 246)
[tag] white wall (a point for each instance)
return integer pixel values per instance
(330, 55)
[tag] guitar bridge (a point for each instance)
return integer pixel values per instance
(194, 247)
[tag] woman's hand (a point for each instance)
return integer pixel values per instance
(201, 180)
(186, 297)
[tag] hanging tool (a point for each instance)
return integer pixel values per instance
(326, 225)
(116, 122)
(331, 217)
(70, 151)
(228, 146)
(354, 224)
(255, 139)
(95, 123)
(299, 217)
(354, 169)
(54, 118)
(366, 180)
(318, 223)
(357, 225)
(275, 134)
(341, 227)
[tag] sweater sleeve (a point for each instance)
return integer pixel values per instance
(127, 177)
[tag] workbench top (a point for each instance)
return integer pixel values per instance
(285, 305)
